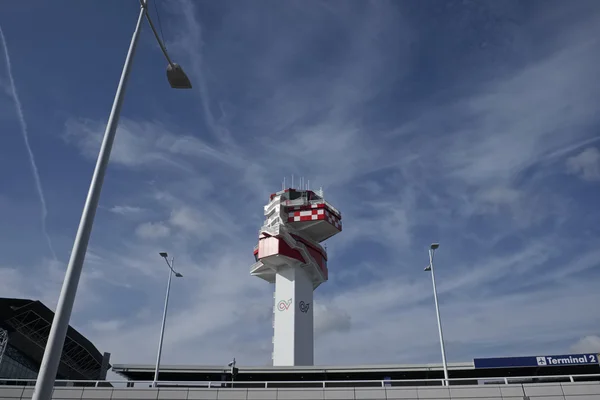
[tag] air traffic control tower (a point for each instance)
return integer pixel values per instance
(289, 254)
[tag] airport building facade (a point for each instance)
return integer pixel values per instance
(533, 369)
(24, 329)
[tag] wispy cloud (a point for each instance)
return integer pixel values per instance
(587, 344)
(331, 319)
(14, 283)
(152, 230)
(193, 39)
(24, 132)
(585, 164)
(126, 210)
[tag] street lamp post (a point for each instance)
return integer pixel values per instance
(164, 318)
(432, 249)
(233, 370)
(58, 332)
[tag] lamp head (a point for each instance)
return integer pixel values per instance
(178, 275)
(434, 246)
(163, 254)
(177, 78)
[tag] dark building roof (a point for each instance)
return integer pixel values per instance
(28, 323)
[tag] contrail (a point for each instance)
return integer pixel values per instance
(36, 175)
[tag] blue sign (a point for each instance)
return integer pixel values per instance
(537, 361)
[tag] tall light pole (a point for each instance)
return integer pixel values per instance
(164, 318)
(56, 339)
(432, 249)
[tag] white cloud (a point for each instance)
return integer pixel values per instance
(126, 210)
(15, 282)
(110, 326)
(129, 149)
(587, 344)
(586, 164)
(205, 222)
(152, 230)
(330, 319)
(402, 318)
(11, 283)
(138, 144)
(499, 195)
(517, 121)
(189, 220)
(212, 303)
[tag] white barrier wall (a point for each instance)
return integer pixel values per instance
(549, 391)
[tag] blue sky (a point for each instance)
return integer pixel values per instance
(471, 123)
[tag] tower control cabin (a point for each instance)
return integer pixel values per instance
(289, 254)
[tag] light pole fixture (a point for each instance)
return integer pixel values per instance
(175, 75)
(52, 354)
(164, 318)
(432, 249)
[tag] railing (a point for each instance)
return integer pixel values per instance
(302, 201)
(335, 210)
(475, 381)
(296, 202)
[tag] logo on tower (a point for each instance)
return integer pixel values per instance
(304, 307)
(284, 305)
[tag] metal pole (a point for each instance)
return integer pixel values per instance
(45, 382)
(160, 43)
(439, 320)
(162, 328)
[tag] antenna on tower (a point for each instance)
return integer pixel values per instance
(283, 188)
(292, 181)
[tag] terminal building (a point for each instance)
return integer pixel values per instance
(535, 369)
(24, 329)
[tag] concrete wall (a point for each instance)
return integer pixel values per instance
(550, 391)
